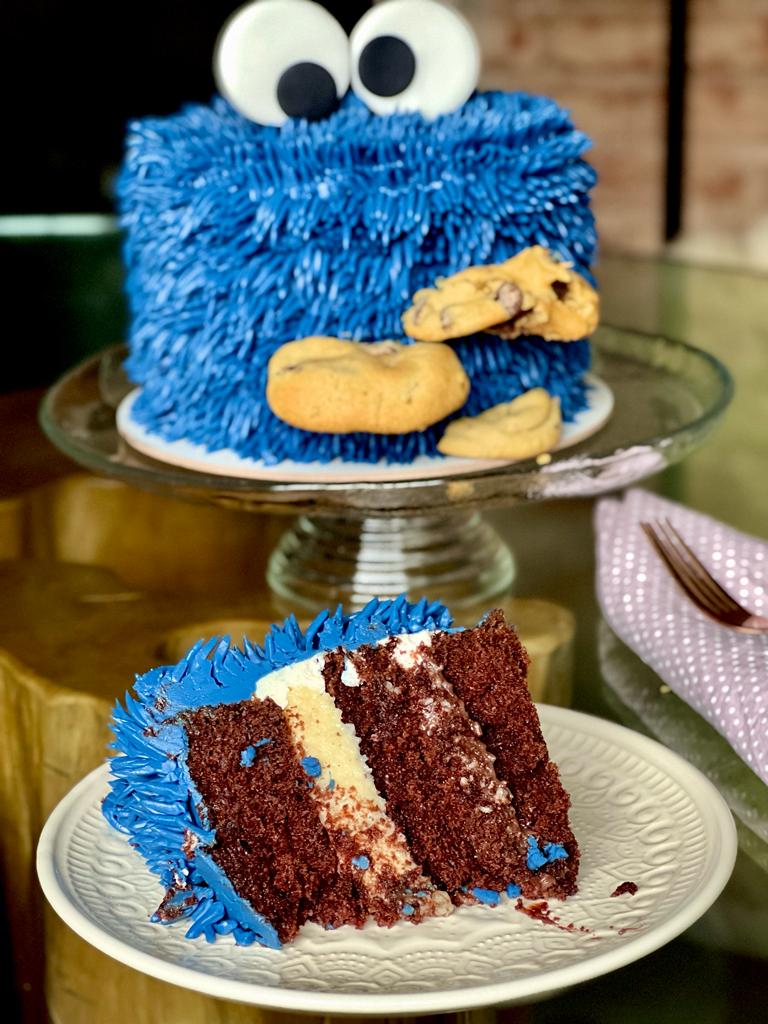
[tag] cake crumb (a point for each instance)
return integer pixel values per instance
(630, 888)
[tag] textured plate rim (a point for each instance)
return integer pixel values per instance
(186, 455)
(711, 807)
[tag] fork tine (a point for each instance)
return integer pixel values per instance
(720, 597)
(696, 582)
(663, 553)
(697, 577)
(679, 572)
(693, 578)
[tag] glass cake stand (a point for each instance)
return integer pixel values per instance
(357, 538)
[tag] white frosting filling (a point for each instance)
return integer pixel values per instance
(351, 802)
(307, 673)
(436, 709)
(405, 651)
(349, 676)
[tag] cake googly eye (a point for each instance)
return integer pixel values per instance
(386, 66)
(414, 55)
(281, 59)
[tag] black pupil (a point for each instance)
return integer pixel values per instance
(387, 66)
(307, 90)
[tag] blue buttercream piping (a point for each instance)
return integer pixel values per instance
(238, 910)
(311, 766)
(240, 237)
(361, 862)
(538, 856)
(488, 896)
(152, 798)
(555, 851)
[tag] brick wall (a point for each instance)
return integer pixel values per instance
(606, 60)
(727, 117)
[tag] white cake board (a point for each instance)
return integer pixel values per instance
(225, 462)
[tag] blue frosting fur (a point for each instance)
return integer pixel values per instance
(538, 856)
(240, 237)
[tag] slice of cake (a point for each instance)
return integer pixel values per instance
(382, 765)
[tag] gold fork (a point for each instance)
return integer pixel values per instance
(698, 583)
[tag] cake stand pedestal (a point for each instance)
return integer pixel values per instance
(358, 535)
(322, 561)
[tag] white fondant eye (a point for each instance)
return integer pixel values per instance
(414, 55)
(277, 59)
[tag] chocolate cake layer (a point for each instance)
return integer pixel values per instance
(436, 776)
(270, 841)
(487, 667)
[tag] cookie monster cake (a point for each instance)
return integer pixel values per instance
(383, 765)
(332, 180)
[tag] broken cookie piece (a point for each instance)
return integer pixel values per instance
(532, 293)
(520, 429)
(328, 385)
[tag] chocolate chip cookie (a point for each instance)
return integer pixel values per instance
(532, 293)
(327, 385)
(520, 429)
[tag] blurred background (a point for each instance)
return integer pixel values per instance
(674, 94)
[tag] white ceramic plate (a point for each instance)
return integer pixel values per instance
(228, 463)
(641, 814)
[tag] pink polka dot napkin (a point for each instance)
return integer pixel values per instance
(720, 673)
